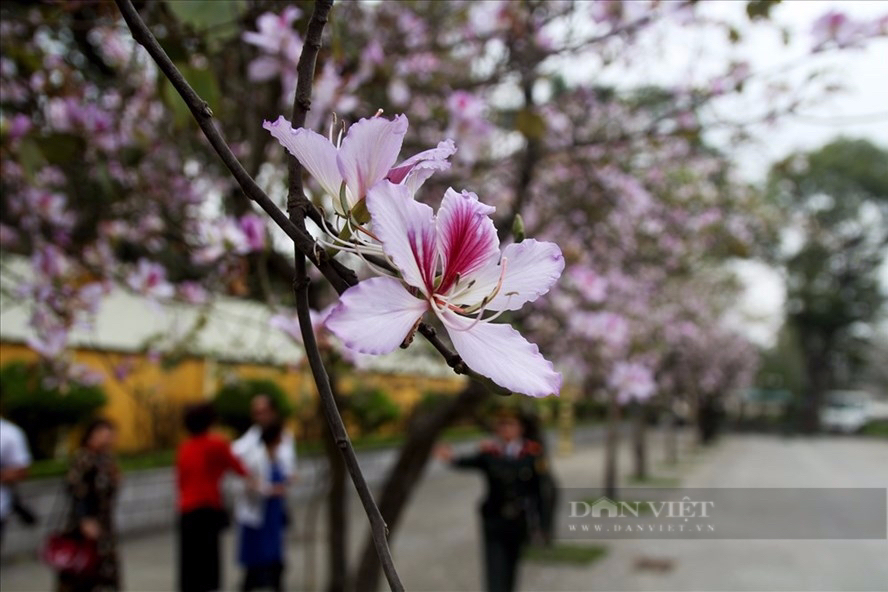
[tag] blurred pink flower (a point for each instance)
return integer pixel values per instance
(49, 342)
(253, 228)
(590, 284)
(467, 124)
(632, 382)
(838, 29)
(149, 279)
(281, 45)
(193, 293)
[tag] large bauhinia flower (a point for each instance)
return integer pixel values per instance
(452, 265)
(346, 168)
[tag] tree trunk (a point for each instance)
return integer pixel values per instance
(639, 441)
(671, 436)
(818, 384)
(405, 475)
(611, 443)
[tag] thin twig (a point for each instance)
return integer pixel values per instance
(298, 208)
(339, 276)
(202, 113)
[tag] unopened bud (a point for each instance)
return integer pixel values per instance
(518, 228)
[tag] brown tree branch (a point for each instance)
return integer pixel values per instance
(298, 207)
(339, 276)
(204, 117)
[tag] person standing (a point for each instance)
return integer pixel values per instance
(265, 413)
(514, 508)
(202, 460)
(92, 481)
(260, 513)
(15, 458)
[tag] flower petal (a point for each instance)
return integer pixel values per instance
(532, 268)
(466, 236)
(415, 170)
(368, 151)
(315, 152)
(500, 353)
(263, 68)
(375, 316)
(406, 229)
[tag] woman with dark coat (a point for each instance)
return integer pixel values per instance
(92, 482)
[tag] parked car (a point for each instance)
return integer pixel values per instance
(845, 411)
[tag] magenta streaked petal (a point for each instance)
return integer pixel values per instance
(406, 229)
(368, 151)
(500, 353)
(466, 236)
(532, 268)
(314, 152)
(375, 316)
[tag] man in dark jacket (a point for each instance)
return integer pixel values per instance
(514, 509)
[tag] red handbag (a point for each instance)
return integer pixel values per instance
(70, 554)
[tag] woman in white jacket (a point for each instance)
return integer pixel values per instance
(260, 513)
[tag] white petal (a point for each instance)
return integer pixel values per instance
(414, 171)
(263, 68)
(314, 152)
(406, 229)
(375, 316)
(500, 353)
(369, 150)
(532, 268)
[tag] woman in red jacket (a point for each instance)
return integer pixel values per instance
(202, 460)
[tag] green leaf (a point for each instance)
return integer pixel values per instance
(518, 228)
(216, 20)
(203, 81)
(734, 35)
(30, 157)
(530, 123)
(760, 9)
(61, 148)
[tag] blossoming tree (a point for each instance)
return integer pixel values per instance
(106, 181)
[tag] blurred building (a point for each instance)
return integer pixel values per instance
(154, 358)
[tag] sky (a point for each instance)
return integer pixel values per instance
(860, 109)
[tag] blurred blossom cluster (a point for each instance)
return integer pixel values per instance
(107, 184)
(836, 29)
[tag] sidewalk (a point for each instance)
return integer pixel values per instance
(437, 546)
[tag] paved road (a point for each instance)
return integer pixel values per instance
(755, 565)
(437, 545)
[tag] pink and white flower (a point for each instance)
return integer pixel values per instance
(281, 47)
(253, 228)
(632, 381)
(360, 160)
(150, 279)
(451, 264)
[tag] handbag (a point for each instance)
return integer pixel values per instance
(70, 554)
(67, 551)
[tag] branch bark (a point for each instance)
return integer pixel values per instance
(298, 207)
(293, 224)
(202, 113)
(414, 454)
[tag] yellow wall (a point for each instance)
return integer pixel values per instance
(165, 390)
